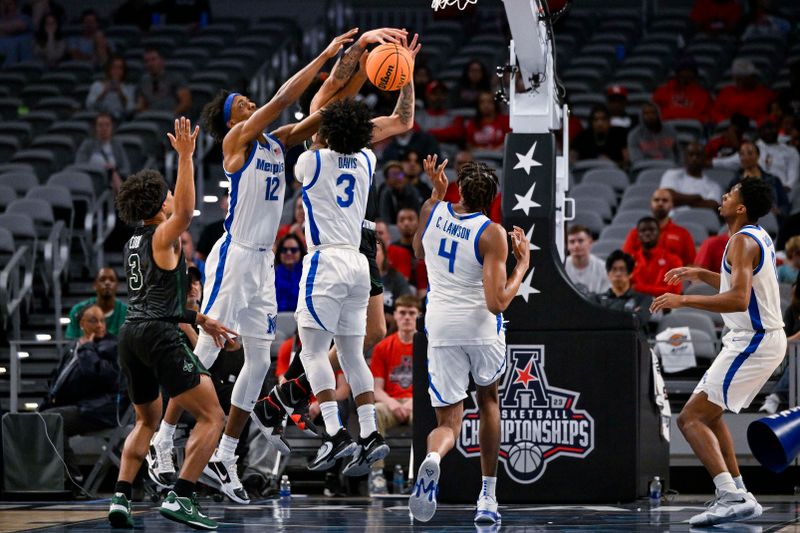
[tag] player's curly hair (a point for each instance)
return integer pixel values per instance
(141, 196)
(757, 197)
(212, 118)
(346, 126)
(478, 184)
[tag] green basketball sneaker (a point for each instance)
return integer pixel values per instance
(186, 511)
(119, 515)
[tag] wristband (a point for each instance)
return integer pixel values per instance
(189, 317)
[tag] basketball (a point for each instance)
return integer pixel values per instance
(389, 67)
(525, 457)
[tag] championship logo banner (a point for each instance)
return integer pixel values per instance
(539, 423)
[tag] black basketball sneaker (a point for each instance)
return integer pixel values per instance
(333, 448)
(223, 473)
(370, 450)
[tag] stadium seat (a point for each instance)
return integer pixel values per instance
(613, 177)
(616, 232)
(19, 129)
(635, 201)
(592, 221)
(651, 177)
(7, 195)
(7, 246)
(42, 160)
(653, 164)
(699, 233)
(39, 120)
(148, 131)
(704, 217)
(62, 106)
(76, 129)
(770, 224)
(21, 227)
(38, 210)
(9, 145)
(723, 176)
(595, 190)
(694, 127)
(630, 218)
(603, 248)
(594, 205)
(62, 147)
(59, 199)
(13, 80)
(692, 318)
(9, 107)
(79, 184)
(20, 181)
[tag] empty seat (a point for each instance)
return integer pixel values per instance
(9, 108)
(651, 177)
(21, 227)
(60, 201)
(595, 190)
(770, 224)
(616, 232)
(39, 211)
(9, 145)
(79, 184)
(7, 195)
(19, 129)
(603, 248)
(594, 205)
(688, 318)
(630, 218)
(723, 176)
(698, 232)
(704, 217)
(660, 164)
(613, 177)
(20, 181)
(635, 201)
(62, 146)
(43, 160)
(592, 221)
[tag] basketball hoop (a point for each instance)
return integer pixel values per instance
(461, 4)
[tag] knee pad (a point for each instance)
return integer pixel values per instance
(248, 385)
(314, 356)
(205, 350)
(355, 368)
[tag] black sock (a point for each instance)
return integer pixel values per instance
(125, 488)
(295, 369)
(183, 488)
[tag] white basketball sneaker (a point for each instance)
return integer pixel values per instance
(486, 512)
(422, 502)
(727, 507)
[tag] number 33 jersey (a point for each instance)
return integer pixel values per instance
(335, 191)
(456, 314)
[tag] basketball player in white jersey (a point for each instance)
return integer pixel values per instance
(334, 289)
(240, 274)
(751, 350)
(465, 254)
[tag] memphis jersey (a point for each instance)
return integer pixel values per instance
(764, 310)
(256, 197)
(456, 311)
(335, 191)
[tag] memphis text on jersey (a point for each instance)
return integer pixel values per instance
(539, 423)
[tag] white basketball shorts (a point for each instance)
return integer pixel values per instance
(240, 288)
(746, 362)
(449, 368)
(334, 291)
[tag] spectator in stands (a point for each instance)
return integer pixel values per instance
(709, 256)
(652, 139)
(412, 167)
(16, 37)
(37, 10)
(488, 130)
(716, 16)
(187, 243)
(452, 194)
(194, 295)
(788, 271)
(393, 369)
(382, 230)
(600, 140)
(291, 251)
(105, 152)
(672, 237)
(212, 231)
(682, 96)
(789, 98)
(415, 139)
(749, 158)
(617, 104)
(689, 186)
(436, 118)
(162, 90)
(474, 80)
(401, 253)
(620, 296)
(298, 224)
(776, 158)
(114, 310)
(394, 284)
(764, 20)
(112, 94)
(747, 95)
(726, 143)
(396, 193)
(585, 270)
(87, 389)
(91, 45)
(50, 46)
(791, 326)
(652, 261)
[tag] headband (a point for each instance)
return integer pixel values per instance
(226, 111)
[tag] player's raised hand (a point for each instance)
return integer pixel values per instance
(183, 141)
(437, 175)
(666, 301)
(382, 36)
(677, 276)
(520, 245)
(362, 63)
(414, 47)
(338, 43)
(218, 332)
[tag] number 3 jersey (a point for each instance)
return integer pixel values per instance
(153, 293)
(456, 313)
(335, 191)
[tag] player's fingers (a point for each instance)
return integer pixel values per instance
(196, 132)
(172, 139)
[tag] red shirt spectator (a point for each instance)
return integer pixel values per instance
(436, 119)
(401, 253)
(716, 16)
(652, 262)
(682, 97)
(709, 256)
(488, 129)
(392, 361)
(746, 95)
(672, 237)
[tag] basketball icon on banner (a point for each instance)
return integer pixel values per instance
(525, 457)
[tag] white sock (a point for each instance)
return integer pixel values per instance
(330, 413)
(435, 456)
(165, 432)
(487, 486)
(366, 419)
(724, 481)
(227, 447)
(739, 483)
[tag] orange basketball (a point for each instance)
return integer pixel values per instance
(389, 67)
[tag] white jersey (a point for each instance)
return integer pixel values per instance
(764, 311)
(456, 311)
(335, 191)
(256, 198)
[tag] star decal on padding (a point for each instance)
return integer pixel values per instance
(529, 236)
(526, 287)
(524, 203)
(526, 161)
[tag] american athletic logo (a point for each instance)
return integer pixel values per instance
(272, 323)
(538, 423)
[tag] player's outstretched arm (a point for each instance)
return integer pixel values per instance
(183, 202)
(402, 119)
(743, 254)
(499, 289)
(437, 194)
(677, 276)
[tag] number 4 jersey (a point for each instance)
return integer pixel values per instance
(456, 313)
(153, 293)
(335, 191)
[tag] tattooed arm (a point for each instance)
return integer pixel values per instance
(402, 118)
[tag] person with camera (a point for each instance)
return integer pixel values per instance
(104, 151)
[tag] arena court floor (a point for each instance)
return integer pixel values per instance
(781, 514)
